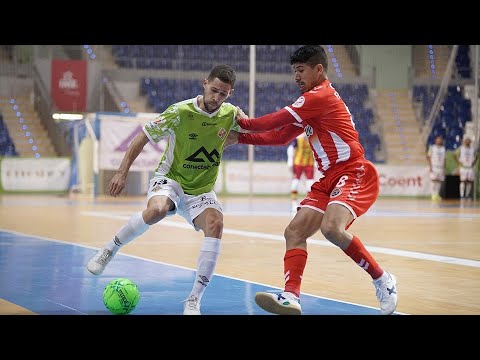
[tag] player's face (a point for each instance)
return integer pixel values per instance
(307, 77)
(215, 93)
(468, 142)
(438, 140)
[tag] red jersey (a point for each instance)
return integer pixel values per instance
(326, 120)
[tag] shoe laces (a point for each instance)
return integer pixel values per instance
(381, 289)
(104, 258)
(288, 296)
(192, 302)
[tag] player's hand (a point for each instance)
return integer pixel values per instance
(232, 139)
(117, 184)
(241, 114)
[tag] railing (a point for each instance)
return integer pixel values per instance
(354, 56)
(440, 95)
(44, 107)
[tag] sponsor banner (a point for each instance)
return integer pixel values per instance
(28, 174)
(267, 178)
(69, 84)
(275, 178)
(404, 180)
(116, 134)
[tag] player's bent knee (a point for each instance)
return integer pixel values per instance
(330, 230)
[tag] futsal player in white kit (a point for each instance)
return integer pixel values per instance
(436, 160)
(466, 157)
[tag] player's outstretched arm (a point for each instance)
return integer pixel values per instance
(117, 184)
(267, 122)
(282, 136)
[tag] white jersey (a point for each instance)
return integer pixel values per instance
(437, 156)
(466, 156)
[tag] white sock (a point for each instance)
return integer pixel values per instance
(462, 189)
(131, 230)
(294, 185)
(207, 260)
(468, 188)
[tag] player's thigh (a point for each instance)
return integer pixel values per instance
(305, 224)
(161, 187)
(202, 210)
(209, 218)
(160, 202)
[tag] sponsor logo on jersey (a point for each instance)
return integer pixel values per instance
(202, 156)
(299, 103)
(192, 136)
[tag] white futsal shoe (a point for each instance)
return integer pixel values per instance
(284, 303)
(99, 261)
(191, 306)
(386, 289)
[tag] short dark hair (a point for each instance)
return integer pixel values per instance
(311, 55)
(225, 73)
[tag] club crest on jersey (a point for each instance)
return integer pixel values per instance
(336, 192)
(222, 133)
(158, 120)
(299, 103)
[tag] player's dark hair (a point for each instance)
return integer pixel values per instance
(225, 73)
(311, 55)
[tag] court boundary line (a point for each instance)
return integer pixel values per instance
(187, 268)
(374, 249)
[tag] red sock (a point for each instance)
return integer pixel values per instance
(363, 258)
(293, 264)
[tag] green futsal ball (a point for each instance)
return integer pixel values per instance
(121, 296)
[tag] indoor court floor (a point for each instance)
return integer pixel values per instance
(433, 248)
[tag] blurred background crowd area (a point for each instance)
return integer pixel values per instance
(400, 96)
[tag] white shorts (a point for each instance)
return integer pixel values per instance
(187, 206)
(467, 174)
(437, 174)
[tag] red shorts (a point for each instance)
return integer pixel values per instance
(308, 170)
(355, 185)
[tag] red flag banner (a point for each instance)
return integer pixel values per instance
(69, 85)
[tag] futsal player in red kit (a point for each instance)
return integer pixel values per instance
(347, 188)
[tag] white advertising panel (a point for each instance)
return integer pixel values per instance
(116, 134)
(275, 178)
(29, 174)
(404, 180)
